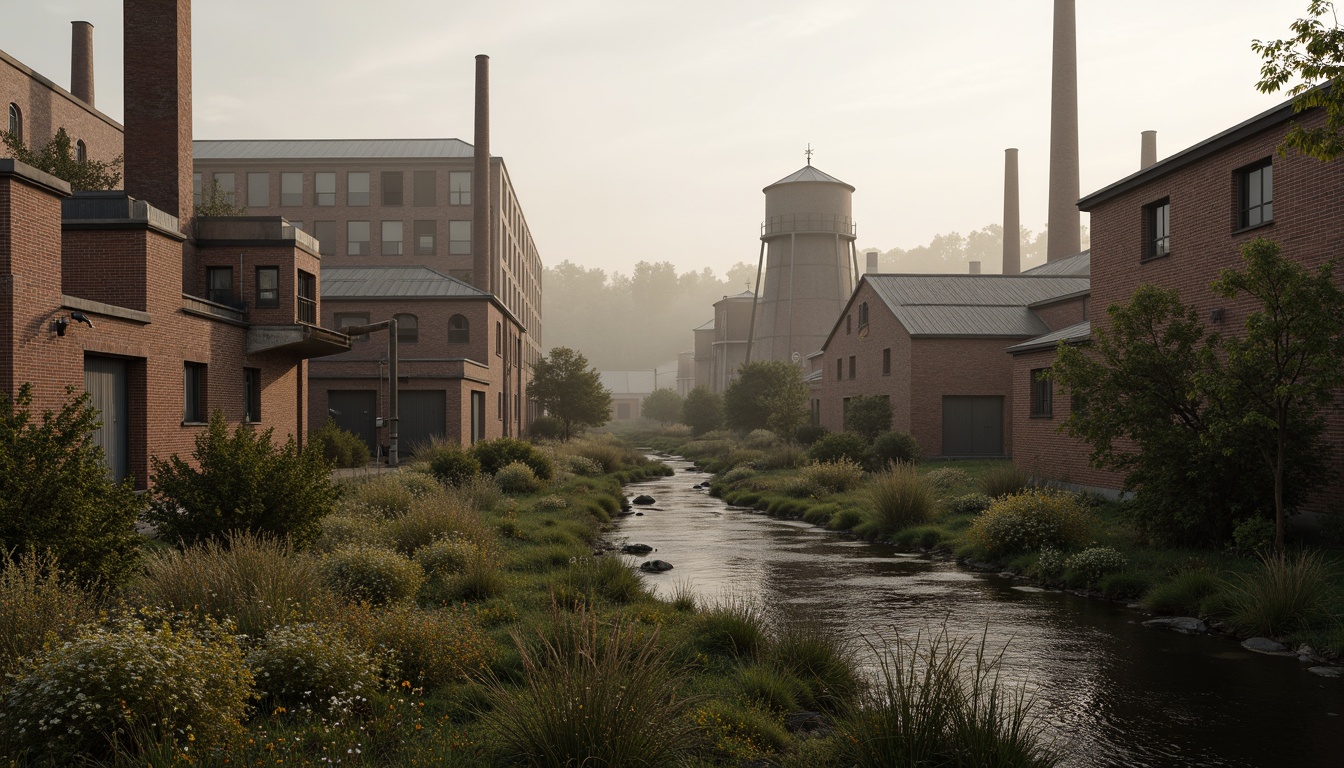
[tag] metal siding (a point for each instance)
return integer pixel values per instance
(422, 416)
(105, 381)
(381, 282)
(355, 410)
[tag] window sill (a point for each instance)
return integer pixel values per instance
(1261, 225)
(195, 423)
(1042, 416)
(1148, 259)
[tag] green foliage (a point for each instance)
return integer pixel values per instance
(606, 578)
(1184, 593)
(242, 483)
(382, 495)
(734, 626)
(970, 504)
(893, 448)
(1289, 593)
(1003, 479)
(129, 683)
(900, 499)
(1030, 521)
(340, 447)
(517, 478)
(37, 600)
(840, 445)
(216, 201)
(810, 433)
(431, 648)
(823, 659)
(583, 466)
(497, 454)
(1253, 535)
(546, 428)
(1094, 563)
(702, 410)
(766, 395)
(452, 465)
(57, 157)
(1315, 54)
(564, 385)
(662, 405)
(768, 687)
(313, 667)
(374, 574)
(868, 415)
(947, 478)
(821, 478)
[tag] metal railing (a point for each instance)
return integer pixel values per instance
(307, 310)
(807, 222)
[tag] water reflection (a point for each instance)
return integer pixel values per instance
(1115, 693)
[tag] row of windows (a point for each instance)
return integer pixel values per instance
(16, 129)
(392, 237)
(854, 367)
(408, 327)
(1255, 206)
(391, 188)
(219, 289)
(195, 394)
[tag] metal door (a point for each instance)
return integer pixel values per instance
(105, 381)
(422, 416)
(973, 426)
(355, 410)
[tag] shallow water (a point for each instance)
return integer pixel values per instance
(1113, 692)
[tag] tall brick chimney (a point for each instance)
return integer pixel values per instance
(158, 104)
(871, 267)
(1012, 217)
(1065, 224)
(482, 273)
(81, 61)
(1148, 149)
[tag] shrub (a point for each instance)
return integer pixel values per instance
(453, 466)
(429, 648)
(1030, 521)
(342, 529)
(900, 499)
(768, 687)
(609, 578)
(702, 410)
(970, 504)
(242, 483)
(479, 493)
(37, 599)
(1050, 564)
(839, 445)
(868, 415)
(445, 556)
(433, 519)
(947, 478)
(1287, 594)
(1184, 593)
(496, 454)
(786, 456)
(1253, 535)
(823, 660)
(761, 439)
(373, 574)
(340, 447)
(846, 519)
(830, 476)
(478, 578)
(517, 478)
(383, 494)
(312, 666)
(129, 685)
(736, 474)
(1003, 479)
(734, 626)
(591, 696)
(1125, 585)
(55, 495)
(546, 428)
(893, 448)
(258, 583)
(611, 458)
(583, 466)
(810, 433)
(1095, 562)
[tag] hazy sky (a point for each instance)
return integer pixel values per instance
(638, 130)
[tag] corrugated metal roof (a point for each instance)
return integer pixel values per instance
(628, 382)
(971, 321)
(324, 149)
(392, 282)
(1079, 266)
(971, 305)
(1072, 334)
(810, 173)
(708, 326)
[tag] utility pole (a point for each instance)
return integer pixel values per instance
(391, 327)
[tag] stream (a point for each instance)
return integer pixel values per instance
(1111, 691)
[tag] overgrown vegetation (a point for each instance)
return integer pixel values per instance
(59, 158)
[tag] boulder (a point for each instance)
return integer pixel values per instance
(643, 500)
(655, 566)
(1188, 625)
(1266, 646)
(1327, 671)
(636, 549)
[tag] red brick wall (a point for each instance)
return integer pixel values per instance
(1039, 446)
(46, 107)
(950, 367)
(884, 332)
(1062, 314)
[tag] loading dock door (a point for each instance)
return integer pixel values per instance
(355, 410)
(105, 381)
(422, 415)
(973, 426)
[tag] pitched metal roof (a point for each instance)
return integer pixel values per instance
(628, 382)
(707, 326)
(392, 282)
(1080, 266)
(971, 305)
(1079, 332)
(809, 173)
(328, 149)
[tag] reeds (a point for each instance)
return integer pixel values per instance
(901, 499)
(1290, 592)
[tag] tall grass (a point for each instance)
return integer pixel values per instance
(608, 578)
(735, 625)
(433, 518)
(901, 498)
(937, 701)
(1290, 592)
(1183, 594)
(1003, 479)
(823, 659)
(37, 599)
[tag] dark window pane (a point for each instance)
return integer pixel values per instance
(425, 192)
(390, 183)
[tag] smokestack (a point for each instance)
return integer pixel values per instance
(871, 267)
(1148, 150)
(81, 61)
(158, 104)
(975, 267)
(1012, 218)
(481, 262)
(1065, 225)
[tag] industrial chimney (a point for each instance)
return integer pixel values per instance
(158, 104)
(1065, 225)
(975, 267)
(482, 248)
(81, 61)
(871, 267)
(1012, 218)
(1148, 150)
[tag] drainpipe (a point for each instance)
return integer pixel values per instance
(392, 399)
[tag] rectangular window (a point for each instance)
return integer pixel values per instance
(307, 298)
(839, 369)
(1042, 392)
(477, 416)
(1257, 195)
(863, 315)
(258, 190)
(424, 232)
(459, 188)
(219, 284)
(296, 224)
(357, 238)
(357, 188)
(227, 189)
(193, 393)
(291, 189)
(390, 185)
(252, 395)
(346, 319)
(196, 188)
(393, 235)
(459, 238)
(268, 286)
(325, 232)
(1158, 225)
(324, 187)
(886, 361)
(426, 192)
(852, 366)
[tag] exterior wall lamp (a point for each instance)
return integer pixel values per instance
(59, 324)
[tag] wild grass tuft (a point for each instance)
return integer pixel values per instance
(823, 659)
(1003, 479)
(901, 498)
(735, 626)
(1184, 594)
(37, 599)
(433, 518)
(608, 578)
(1290, 592)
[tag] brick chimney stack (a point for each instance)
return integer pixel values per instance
(1148, 149)
(872, 262)
(158, 104)
(81, 61)
(1064, 223)
(1012, 217)
(482, 273)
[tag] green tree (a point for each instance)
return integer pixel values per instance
(57, 157)
(55, 494)
(1315, 55)
(662, 405)
(761, 389)
(702, 410)
(1279, 378)
(868, 415)
(241, 482)
(570, 391)
(216, 202)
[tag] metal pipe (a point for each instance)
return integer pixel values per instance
(755, 299)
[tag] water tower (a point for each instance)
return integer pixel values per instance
(808, 261)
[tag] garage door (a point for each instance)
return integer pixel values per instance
(422, 417)
(973, 426)
(355, 410)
